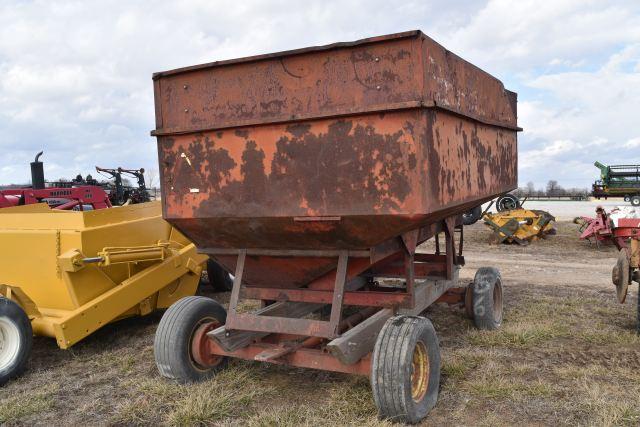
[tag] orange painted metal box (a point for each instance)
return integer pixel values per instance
(342, 146)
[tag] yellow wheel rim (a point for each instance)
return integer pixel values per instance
(419, 372)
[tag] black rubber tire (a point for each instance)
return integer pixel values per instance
(635, 201)
(13, 314)
(507, 202)
(391, 369)
(487, 299)
(172, 343)
(219, 278)
(627, 198)
(472, 216)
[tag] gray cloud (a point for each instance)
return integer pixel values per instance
(76, 75)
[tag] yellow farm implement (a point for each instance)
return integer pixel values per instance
(520, 225)
(65, 274)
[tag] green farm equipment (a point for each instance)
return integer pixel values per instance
(618, 181)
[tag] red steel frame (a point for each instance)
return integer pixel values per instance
(626, 237)
(602, 228)
(77, 196)
(304, 342)
(627, 228)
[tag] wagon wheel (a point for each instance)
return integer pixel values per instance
(219, 279)
(472, 216)
(468, 301)
(621, 275)
(405, 369)
(16, 339)
(180, 343)
(483, 299)
(507, 202)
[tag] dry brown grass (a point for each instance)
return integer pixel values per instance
(343, 404)
(567, 354)
(25, 404)
(228, 395)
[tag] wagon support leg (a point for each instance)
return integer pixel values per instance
(297, 326)
(452, 258)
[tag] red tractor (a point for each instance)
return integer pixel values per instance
(79, 198)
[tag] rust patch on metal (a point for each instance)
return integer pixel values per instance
(467, 158)
(382, 175)
(385, 136)
(378, 74)
(310, 170)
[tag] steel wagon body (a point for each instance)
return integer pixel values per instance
(313, 174)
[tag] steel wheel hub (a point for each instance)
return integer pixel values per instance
(203, 359)
(497, 302)
(419, 372)
(9, 342)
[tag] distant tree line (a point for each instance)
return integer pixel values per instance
(553, 189)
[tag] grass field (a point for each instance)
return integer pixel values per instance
(567, 354)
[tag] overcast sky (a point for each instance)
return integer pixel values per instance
(75, 76)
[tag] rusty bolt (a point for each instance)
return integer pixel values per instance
(185, 87)
(378, 87)
(377, 59)
(186, 110)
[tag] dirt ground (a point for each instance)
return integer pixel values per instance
(567, 353)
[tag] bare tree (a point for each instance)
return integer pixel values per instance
(553, 188)
(531, 188)
(152, 178)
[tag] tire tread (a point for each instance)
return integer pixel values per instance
(12, 311)
(391, 367)
(483, 307)
(171, 341)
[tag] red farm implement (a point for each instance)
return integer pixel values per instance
(596, 229)
(615, 227)
(61, 198)
(620, 227)
(314, 175)
(626, 236)
(57, 198)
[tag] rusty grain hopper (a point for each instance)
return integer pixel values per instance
(313, 175)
